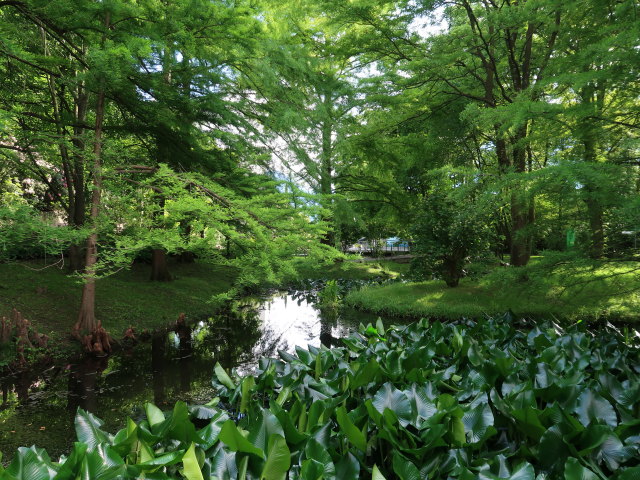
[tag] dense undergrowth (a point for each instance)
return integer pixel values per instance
(462, 400)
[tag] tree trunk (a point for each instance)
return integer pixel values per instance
(77, 253)
(590, 96)
(87, 322)
(326, 168)
(159, 269)
(521, 206)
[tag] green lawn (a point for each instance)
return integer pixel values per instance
(572, 291)
(350, 269)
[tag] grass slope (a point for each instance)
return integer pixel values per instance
(570, 290)
(50, 298)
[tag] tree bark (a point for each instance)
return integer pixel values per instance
(87, 318)
(595, 209)
(326, 167)
(159, 269)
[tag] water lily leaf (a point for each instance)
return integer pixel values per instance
(457, 431)
(366, 374)
(574, 471)
(612, 452)
(632, 473)
(311, 470)
(395, 400)
(102, 463)
(245, 391)
(223, 465)
(594, 408)
(552, 448)
(154, 416)
(423, 405)
(291, 433)
(209, 433)
(529, 421)
(179, 426)
(71, 464)
(170, 458)
(278, 459)
(304, 356)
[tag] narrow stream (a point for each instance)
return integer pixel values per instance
(176, 365)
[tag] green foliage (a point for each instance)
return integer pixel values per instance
(27, 233)
(446, 236)
(329, 295)
(461, 400)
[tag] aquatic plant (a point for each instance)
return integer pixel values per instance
(464, 400)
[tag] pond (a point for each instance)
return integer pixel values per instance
(39, 405)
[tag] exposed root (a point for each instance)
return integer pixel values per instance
(97, 342)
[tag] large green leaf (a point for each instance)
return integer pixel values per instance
(223, 376)
(88, 430)
(355, 436)
(348, 468)
(595, 408)
(318, 452)
(404, 469)
(233, 438)
(376, 475)
(31, 464)
(263, 426)
(573, 470)
(389, 397)
(278, 459)
(191, 470)
(478, 423)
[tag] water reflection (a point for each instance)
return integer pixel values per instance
(176, 364)
(82, 389)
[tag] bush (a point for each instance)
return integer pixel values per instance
(446, 236)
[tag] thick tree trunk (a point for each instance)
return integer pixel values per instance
(521, 206)
(592, 98)
(77, 256)
(159, 269)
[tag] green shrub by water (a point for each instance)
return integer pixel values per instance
(462, 400)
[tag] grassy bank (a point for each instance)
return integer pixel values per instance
(50, 298)
(350, 269)
(571, 290)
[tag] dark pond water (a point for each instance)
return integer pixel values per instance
(38, 406)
